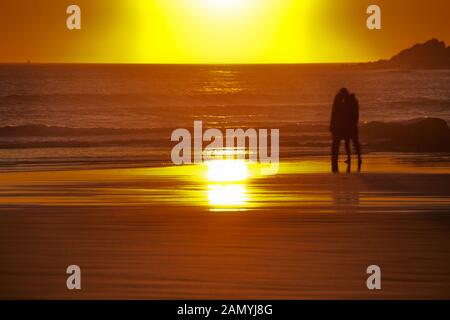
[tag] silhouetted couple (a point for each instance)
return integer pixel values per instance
(344, 126)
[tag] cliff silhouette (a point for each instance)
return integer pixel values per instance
(432, 54)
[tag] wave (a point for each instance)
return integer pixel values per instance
(40, 130)
(423, 102)
(214, 98)
(420, 134)
(147, 143)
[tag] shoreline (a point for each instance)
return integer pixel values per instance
(189, 185)
(438, 162)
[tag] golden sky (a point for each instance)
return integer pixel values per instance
(216, 31)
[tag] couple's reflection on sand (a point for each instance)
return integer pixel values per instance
(346, 194)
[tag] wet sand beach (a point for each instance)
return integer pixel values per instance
(172, 233)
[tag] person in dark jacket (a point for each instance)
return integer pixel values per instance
(352, 131)
(339, 124)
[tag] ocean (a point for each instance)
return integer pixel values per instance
(119, 114)
(86, 180)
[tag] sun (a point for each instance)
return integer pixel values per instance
(225, 4)
(224, 31)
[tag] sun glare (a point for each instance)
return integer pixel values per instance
(222, 31)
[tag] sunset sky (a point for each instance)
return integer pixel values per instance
(216, 31)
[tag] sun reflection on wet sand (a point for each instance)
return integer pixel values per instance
(213, 187)
(227, 189)
(227, 195)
